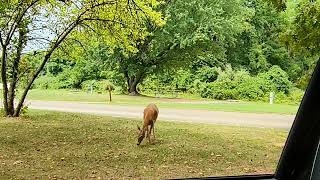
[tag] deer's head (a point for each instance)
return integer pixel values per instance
(140, 135)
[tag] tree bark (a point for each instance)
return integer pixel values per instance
(26, 90)
(133, 81)
(132, 90)
(4, 79)
(9, 94)
(110, 98)
(15, 68)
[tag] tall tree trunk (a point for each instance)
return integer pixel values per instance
(4, 79)
(132, 89)
(15, 68)
(133, 81)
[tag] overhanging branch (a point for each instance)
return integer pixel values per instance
(1, 40)
(104, 20)
(17, 21)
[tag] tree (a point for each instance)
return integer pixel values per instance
(302, 25)
(52, 23)
(89, 65)
(301, 36)
(194, 29)
(258, 48)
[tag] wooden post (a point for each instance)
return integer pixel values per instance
(109, 89)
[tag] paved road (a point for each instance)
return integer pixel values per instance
(184, 115)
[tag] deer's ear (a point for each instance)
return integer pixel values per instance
(138, 128)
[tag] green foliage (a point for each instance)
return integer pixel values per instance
(61, 81)
(258, 48)
(294, 97)
(46, 82)
(303, 24)
(2, 113)
(224, 87)
(98, 86)
(276, 80)
(207, 74)
(66, 73)
(47, 25)
(24, 110)
(105, 85)
(194, 29)
(220, 90)
(241, 85)
(250, 89)
(193, 50)
(86, 85)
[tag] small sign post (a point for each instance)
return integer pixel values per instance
(110, 88)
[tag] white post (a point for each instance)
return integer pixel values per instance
(91, 89)
(271, 97)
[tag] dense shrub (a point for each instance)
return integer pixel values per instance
(85, 85)
(152, 82)
(232, 84)
(104, 85)
(61, 81)
(67, 81)
(196, 87)
(276, 80)
(207, 82)
(294, 97)
(223, 89)
(207, 74)
(250, 89)
(98, 86)
(46, 82)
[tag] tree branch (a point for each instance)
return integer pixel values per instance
(89, 27)
(80, 43)
(104, 20)
(22, 74)
(61, 37)
(17, 21)
(45, 39)
(1, 40)
(15, 67)
(4, 79)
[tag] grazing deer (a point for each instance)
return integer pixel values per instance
(150, 115)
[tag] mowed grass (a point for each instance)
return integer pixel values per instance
(64, 145)
(204, 104)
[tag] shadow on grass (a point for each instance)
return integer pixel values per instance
(146, 144)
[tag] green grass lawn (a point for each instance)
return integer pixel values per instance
(257, 107)
(64, 145)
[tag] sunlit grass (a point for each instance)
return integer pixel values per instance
(205, 104)
(64, 145)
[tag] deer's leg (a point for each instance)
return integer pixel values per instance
(148, 133)
(152, 127)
